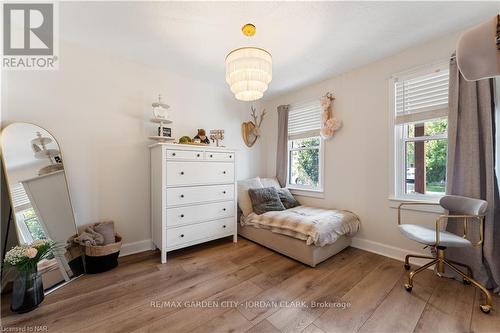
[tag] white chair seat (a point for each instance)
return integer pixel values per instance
(427, 236)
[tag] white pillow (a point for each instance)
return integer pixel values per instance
(243, 198)
(270, 182)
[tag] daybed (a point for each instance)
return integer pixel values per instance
(309, 235)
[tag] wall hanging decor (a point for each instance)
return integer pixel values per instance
(250, 130)
(329, 124)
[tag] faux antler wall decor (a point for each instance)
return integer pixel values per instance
(329, 124)
(250, 130)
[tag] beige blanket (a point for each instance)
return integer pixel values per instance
(314, 225)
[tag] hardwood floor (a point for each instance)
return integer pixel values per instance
(243, 287)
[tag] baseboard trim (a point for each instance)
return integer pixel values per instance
(387, 250)
(360, 243)
(136, 247)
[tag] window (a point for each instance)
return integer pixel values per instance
(420, 128)
(305, 147)
(29, 226)
(26, 219)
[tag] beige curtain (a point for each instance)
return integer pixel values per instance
(471, 169)
(282, 151)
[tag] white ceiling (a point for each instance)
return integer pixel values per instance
(309, 41)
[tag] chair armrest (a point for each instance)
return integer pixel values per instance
(413, 203)
(465, 221)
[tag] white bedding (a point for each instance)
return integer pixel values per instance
(314, 225)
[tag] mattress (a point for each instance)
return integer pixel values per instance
(316, 226)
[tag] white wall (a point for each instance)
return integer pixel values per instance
(97, 106)
(357, 161)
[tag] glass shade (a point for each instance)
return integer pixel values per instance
(248, 72)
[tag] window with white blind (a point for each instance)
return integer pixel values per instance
(26, 220)
(20, 199)
(305, 147)
(420, 112)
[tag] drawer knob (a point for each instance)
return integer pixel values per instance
(224, 172)
(182, 235)
(182, 195)
(182, 215)
(223, 192)
(224, 226)
(211, 155)
(182, 172)
(197, 155)
(173, 154)
(224, 209)
(230, 156)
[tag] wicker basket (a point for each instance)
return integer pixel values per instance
(102, 258)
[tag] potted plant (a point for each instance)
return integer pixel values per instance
(27, 291)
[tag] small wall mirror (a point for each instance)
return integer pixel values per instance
(40, 201)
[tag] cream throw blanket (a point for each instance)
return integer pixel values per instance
(314, 225)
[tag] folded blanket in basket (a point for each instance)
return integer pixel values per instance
(314, 225)
(89, 237)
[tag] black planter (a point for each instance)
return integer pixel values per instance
(27, 292)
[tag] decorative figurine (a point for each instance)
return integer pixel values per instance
(216, 136)
(202, 137)
(185, 140)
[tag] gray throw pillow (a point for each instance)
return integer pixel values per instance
(287, 198)
(265, 200)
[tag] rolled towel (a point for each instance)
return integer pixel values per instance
(107, 229)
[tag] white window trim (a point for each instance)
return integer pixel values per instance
(396, 185)
(316, 192)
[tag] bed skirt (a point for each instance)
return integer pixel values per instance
(291, 247)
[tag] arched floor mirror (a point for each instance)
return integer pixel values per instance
(40, 201)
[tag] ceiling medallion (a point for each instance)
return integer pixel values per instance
(249, 69)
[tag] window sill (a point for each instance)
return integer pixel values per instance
(394, 203)
(307, 192)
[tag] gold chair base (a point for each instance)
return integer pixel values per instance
(440, 261)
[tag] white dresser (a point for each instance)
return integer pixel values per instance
(193, 195)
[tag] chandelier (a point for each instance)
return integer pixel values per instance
(249, 69)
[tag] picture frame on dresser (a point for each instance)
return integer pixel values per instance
(193, 195)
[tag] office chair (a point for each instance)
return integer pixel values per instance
(468, 209)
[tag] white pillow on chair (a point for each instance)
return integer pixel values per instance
(243, 198)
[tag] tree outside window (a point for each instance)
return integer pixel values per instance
(304, 159)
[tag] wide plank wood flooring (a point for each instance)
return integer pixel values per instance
(244, 287)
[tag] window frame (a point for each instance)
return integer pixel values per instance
(22, 228)
(321, 149)
(399, 139)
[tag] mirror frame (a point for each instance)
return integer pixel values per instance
(47, 291)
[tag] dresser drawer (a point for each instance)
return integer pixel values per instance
(192, 214)
(199, 194)
(197, 173)
(184, 155)
(198, 232)
(216, 156)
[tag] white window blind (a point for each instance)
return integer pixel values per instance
(304, 120)
(422, 97)
(20, 199)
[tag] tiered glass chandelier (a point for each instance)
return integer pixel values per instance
(249, 70)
